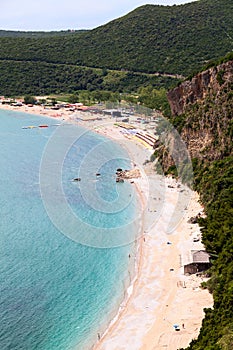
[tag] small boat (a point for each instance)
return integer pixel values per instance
(77, 179)
(29, 127)
(43, 126)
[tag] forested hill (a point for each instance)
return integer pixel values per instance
(37, 34)
(152, 38)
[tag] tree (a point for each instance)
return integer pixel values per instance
(73, 98)
(29, 100)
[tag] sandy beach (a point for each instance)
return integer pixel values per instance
(161, 295)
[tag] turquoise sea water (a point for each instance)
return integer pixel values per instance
(56, 293)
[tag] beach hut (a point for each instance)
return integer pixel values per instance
(198, 261)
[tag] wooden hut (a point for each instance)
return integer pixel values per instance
(199, 260)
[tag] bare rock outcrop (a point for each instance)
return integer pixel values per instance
(199, 87)
(202, 111)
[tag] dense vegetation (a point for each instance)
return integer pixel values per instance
(165, 39)
(214, 181)
(86, 84)
(213, 63)
(37, 34)
(41, 78)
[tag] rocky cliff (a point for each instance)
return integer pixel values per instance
(202, 110)
(206, 84)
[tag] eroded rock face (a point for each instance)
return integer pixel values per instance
(201, 85)
(203, 110)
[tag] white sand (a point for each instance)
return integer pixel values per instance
(161, 297)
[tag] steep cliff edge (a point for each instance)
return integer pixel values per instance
(202, 111)
(206, 84)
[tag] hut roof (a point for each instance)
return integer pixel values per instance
(200, 256)
(195, 256)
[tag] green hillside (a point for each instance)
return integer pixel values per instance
(175, 39)
(171, 39)
(37, 34)
(42, 78)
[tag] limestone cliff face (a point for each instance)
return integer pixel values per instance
(204, 84)
(202, 110)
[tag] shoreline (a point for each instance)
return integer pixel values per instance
(162, 296)
(159, 294)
